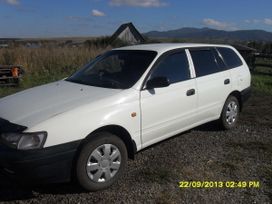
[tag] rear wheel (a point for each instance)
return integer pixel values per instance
(230, 113)
(101, 162)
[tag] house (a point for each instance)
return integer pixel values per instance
(244, 50)
(32, 45)
(4, 45)
(128, 33)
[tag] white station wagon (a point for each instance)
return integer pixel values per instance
(87, 125)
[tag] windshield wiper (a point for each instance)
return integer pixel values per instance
(75, 81)
(112, 84)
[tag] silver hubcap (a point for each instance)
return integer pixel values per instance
(232, 112)
(103, 163)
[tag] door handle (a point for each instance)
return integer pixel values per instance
(190, 92)
(227, 81)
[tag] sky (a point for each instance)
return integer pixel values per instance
(66, 18)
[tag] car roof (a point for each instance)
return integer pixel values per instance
(163, 47)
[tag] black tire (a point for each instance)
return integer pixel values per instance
(225, 121)
(97, 142)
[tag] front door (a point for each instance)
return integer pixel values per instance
(169, 110)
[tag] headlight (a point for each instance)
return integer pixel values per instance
(24, 141)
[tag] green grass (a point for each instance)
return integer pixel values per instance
(32, 80)
(262, 83)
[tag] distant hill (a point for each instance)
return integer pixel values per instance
(212, 34)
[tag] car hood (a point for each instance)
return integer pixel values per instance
(35, 105)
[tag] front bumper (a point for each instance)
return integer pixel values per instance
(47, 165)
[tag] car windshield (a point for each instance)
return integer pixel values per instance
(117, 69)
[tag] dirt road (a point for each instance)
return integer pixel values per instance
(205, 153)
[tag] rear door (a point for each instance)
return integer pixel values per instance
(169, 110)
(239, 71)
(213, 82)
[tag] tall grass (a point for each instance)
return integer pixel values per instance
(43, 65)
(262, 80)
(262, 83)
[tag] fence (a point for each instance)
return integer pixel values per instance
(263, 60)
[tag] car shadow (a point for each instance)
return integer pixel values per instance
(12, 191)
(213, 126)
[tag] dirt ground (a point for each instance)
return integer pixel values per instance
(205, 153)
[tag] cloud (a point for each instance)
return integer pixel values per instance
(97, 13)
(247, 21)
(253, 21)
(12, 2)
(268, 21)
(218, 24)
(138, 3)
(18, 6)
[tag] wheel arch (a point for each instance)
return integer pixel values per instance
(238, 95)
(120, 132)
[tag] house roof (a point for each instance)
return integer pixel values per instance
(240, 47)
(133, 30)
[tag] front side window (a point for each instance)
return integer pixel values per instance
(204, 62)
(118, 69)
(174, 66)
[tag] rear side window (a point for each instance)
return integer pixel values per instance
(220, 63)
(174, 66)
(231, 59)
(204, 62)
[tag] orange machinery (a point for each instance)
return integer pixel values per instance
(10, 75)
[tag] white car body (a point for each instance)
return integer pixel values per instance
(68, 113)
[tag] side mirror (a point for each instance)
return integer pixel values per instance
(157, 82)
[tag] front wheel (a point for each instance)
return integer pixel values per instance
(230, 113)
(101, 162)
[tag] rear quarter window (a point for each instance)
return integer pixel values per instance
(231, 59)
